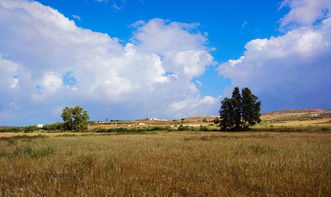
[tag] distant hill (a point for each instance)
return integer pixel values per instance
(280, 116)
(199, 118)
(296, 115)
(298, 111)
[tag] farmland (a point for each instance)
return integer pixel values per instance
(271, 160)
(163, 164)
(279, 119)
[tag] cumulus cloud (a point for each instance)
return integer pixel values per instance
(48, 62)
(305, 12)
(289, 71)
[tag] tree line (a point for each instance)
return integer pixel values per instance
(237, 113)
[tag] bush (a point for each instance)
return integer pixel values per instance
(203, 128)
(159, 129)
(59, 126)
(11, 129)
(29, 129)
(26, 129)
(185, 128)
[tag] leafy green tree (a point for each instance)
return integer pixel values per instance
(75, 118)
(240, 111)
(67, 118)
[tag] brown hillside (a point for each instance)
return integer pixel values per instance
(298, 111)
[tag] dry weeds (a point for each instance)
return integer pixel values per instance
(168, 164)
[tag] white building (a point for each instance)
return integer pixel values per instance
(39, 125)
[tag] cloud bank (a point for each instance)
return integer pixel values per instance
(47, 62)
(292, 70)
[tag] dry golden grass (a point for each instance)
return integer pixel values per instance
(306, 122)
(8, 135)
(287, 113)
(168, 164)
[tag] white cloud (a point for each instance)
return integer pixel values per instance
(76, 17)
(188, 106)
(244, 24)
(289, 71)
(41, 48)
(51, 82)
(305, 12)
(115, 6)
(171, 36)
(8, 73)
(102, 1)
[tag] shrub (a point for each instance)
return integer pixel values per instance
(185, 128)
(29, 129)
(59, 126)
(203, 128)
(11, 129)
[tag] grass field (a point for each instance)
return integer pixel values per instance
(166, 164)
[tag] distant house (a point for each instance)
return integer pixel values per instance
(39, 125)
(141, 123)
(157, 119)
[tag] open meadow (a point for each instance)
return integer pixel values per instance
(165, 98)
(166, 164)
(288, 154)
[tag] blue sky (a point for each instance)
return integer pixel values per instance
(130, 59)
(230, 24)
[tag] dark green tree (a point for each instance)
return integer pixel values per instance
(240, 111)
(75, 118)
(250, 108)
(236, 101)
(227, 120)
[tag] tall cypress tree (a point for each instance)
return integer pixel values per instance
(250, 108)
(236, 101)
(227, 115)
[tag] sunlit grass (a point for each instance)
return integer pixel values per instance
(169, 164)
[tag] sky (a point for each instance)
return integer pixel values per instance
(132, 59)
